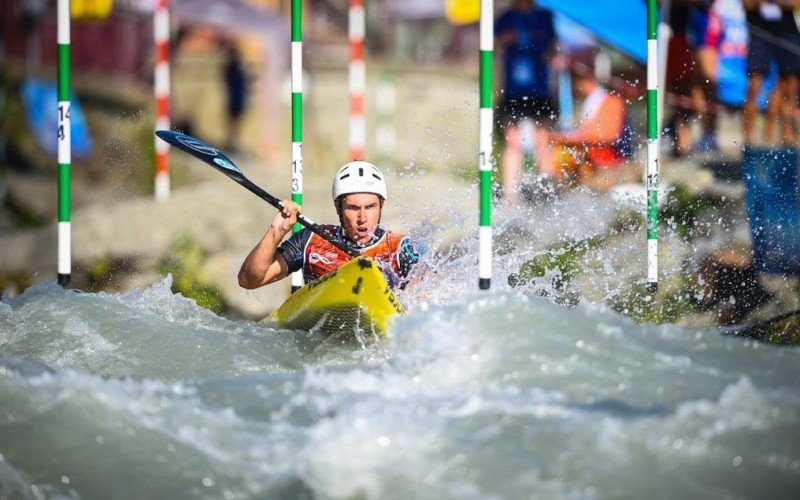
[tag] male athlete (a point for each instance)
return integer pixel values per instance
(359, 191)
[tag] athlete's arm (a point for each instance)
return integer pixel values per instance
(407, 257)
(264, 264)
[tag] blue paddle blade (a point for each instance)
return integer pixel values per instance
(201, 150)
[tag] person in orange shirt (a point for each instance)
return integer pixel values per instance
(591, 152)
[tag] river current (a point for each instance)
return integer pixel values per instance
(145, 395)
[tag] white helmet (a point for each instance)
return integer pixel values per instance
(359, 177)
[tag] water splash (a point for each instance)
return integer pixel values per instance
(489, 395)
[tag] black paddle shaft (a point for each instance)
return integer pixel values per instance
(219, 161)
(302, 219)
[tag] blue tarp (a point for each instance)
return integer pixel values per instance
(41, 104)
(619, 23)
(773, 208)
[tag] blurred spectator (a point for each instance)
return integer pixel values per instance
(691, 73)
(574, 41)
(526, 35)
(708, 34)
(236, 88)
(602, 141)
(772, 111)
(774, 38)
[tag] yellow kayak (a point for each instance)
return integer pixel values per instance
(353, 297)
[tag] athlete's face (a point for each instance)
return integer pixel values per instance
(360, 214)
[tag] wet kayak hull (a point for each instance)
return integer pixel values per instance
(354, 298)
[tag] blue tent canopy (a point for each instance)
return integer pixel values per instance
(619, 23)
(622, 25)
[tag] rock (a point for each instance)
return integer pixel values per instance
(726, 280)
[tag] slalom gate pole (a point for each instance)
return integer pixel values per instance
(358, 77)
(161, 89)
(652, 147)
(297, 120)
(385, 103)
(64, 144)
(664, 34)
(485, 161)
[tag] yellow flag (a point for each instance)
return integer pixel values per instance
(462, 11)
(91, 9)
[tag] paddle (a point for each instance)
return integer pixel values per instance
(218, 160)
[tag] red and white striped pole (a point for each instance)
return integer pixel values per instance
(161, 33)
(358, 80)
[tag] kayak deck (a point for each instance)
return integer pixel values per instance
(354, 297)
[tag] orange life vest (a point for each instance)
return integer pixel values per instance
(321, 257)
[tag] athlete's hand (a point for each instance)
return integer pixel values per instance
(286, 217)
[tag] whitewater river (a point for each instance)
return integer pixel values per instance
(476, 395)
(145, 395)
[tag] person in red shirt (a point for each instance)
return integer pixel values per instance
(359, 192)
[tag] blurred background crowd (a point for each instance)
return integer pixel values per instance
(717, 57)
(569, 99)
(721, 55)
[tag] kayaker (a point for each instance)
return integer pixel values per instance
(359, 192)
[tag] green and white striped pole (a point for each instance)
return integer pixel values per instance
(485, 161)
(297, 120)
(64, 146)
(652, 147)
